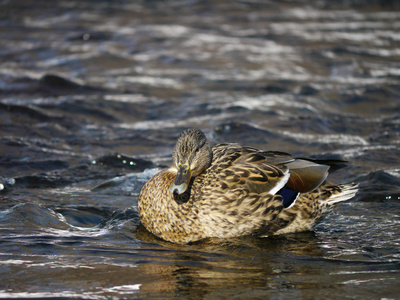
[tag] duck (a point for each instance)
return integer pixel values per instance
(231, 191)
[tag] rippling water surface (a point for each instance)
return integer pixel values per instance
(94, 93)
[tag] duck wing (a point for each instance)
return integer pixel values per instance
(248, 168)
(270, 171)
(305, 174)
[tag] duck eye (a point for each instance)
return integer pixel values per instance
(197, 149)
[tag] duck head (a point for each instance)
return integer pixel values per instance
(192, 156)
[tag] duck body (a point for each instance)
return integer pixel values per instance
(230, 191)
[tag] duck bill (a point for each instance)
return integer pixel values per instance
(182, 179)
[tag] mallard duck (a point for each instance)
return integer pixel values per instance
(228, 191)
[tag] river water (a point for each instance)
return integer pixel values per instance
(94, 93)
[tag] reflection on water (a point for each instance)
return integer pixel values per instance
(94, 94)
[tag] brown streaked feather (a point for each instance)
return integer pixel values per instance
(305, 175)
(237, 193)
(310, 208)
(250, 168)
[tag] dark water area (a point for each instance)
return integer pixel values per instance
(94, 93)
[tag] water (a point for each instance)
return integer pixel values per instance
(94, 94)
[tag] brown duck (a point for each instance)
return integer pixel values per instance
(229, 191)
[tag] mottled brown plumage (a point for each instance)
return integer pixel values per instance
(228, 191)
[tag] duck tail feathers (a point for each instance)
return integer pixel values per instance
(344, 192)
